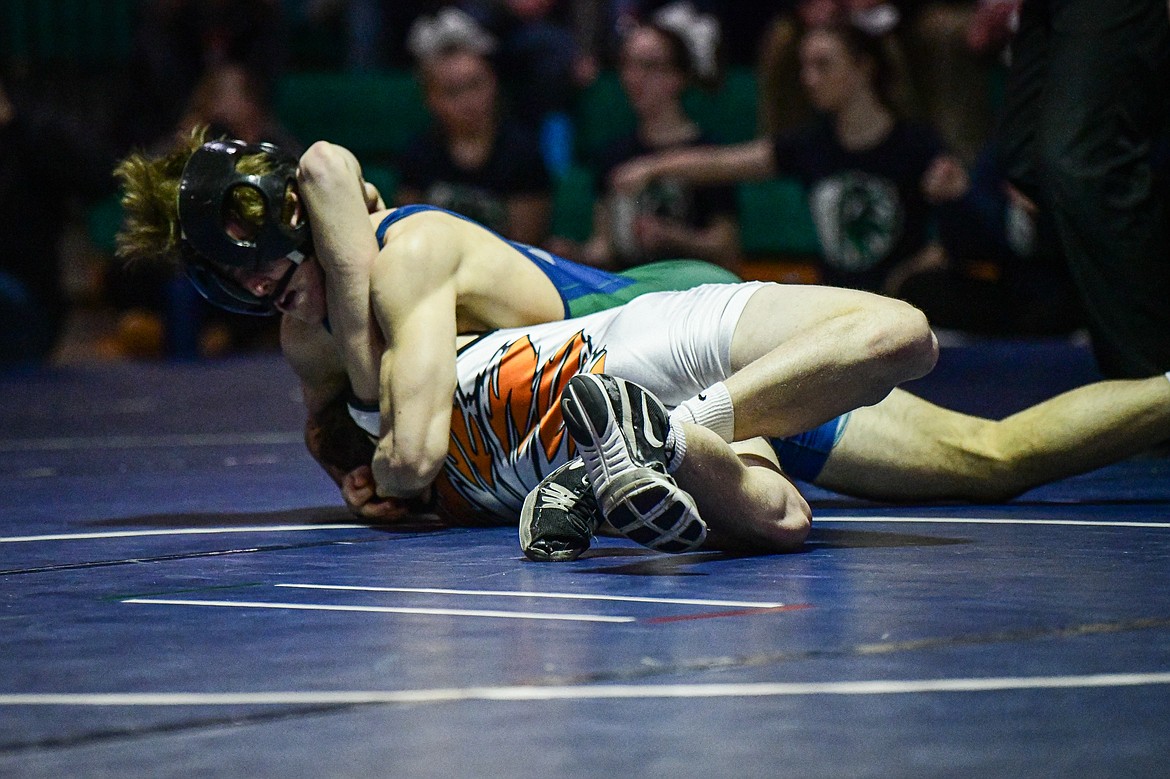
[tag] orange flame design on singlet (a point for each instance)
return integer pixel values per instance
(508, 431)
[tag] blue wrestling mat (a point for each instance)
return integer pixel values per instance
(185, 595)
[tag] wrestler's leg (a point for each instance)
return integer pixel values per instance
(748, 505)
(908, 449)
(802, 355)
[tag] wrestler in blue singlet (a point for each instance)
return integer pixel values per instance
(585, 289)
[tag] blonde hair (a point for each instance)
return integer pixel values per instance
(150, 229)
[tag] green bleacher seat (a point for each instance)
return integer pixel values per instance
(384, 177)
(728, 113)
(572, 213)
(774, 219)
(103, 220)
(78, 32)
(601, 114)
(374, 115)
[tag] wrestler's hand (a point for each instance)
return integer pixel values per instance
(357, 488)
(374, 201)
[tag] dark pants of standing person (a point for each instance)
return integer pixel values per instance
(1085, 101)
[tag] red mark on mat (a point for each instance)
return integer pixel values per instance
(736, 613)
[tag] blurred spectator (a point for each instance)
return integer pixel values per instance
(1005, 273)
(537, 55)
(475, 159)
(954, 49)
(943, 54)
(660, 59)
(784, 102)
(864, 167)
(373, 32)
(49, 165)
(231, 100)
(743, 23)
(543, 60)
(177, 41)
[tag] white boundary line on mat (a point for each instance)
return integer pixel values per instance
(527, 594)
(193, 531)
(987, 521)
(384, 610)
(586, 692)
(180, 531)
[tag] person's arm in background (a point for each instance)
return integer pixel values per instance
(944, 184)
(699, 165)
(972, 207)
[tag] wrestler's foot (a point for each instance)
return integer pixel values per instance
(621, 430)
(560, 516)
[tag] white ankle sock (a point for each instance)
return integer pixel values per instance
(1167, 374)
(712, 409)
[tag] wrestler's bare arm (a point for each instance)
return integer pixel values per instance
(337, 201)
(414, 294)
(747, 502)
(312, 353)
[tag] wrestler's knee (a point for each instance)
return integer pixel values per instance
(902, 342)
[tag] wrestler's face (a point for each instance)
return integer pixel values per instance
(303, 297)
(650, 75)
(830, 74)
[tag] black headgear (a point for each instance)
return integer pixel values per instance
(209, 251)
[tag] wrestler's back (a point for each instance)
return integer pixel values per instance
(496, 285)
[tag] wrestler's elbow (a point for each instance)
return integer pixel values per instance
(778, 517)
(790, 520)
(324, 163)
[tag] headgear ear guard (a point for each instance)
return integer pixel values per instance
(210, 253)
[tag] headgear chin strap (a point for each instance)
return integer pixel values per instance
(211, 254)
(221, 290)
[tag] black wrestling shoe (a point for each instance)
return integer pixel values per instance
(560, 516)
(620, 430)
